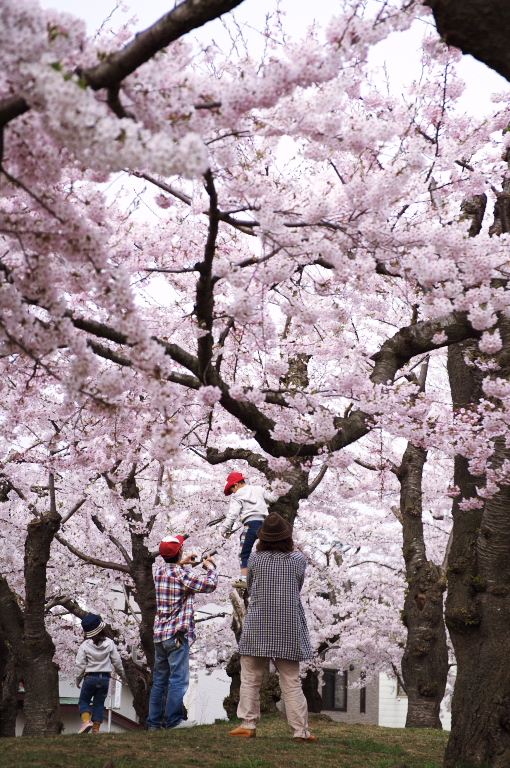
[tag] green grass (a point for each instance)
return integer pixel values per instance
(209, 746)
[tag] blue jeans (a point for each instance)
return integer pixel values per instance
(94, 691)
(248, 539)
(171, 679)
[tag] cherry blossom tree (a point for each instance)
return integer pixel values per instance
(313, 246)
(32, 512)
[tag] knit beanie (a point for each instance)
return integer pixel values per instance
(274, 528)
(92, 624)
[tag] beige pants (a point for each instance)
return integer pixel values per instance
(296, 709)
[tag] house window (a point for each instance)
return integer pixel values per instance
(334, 690)
(362, 695)
(400, 688)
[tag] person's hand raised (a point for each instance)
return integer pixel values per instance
(189, 560)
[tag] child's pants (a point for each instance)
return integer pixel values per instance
(94, 691)
(296, 708)
(248, 539)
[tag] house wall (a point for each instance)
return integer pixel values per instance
(353, 715)
(204, 700)
(393, 708)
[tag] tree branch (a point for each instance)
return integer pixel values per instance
(255, 460)
(122, 549)
(374, 562)
(213, 616)
(68, 603)
(478, 27)
(91, 560)
(110, 73)
(182, 19)
(246, 227)
(204, 301)
(317, 479)
(73, 510)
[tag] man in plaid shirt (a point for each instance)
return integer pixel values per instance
(174, 632)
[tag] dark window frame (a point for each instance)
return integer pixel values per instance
(363, 694)
(328, 690)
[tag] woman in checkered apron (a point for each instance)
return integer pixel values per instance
(275, 628)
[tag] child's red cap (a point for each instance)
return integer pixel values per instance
(171, 546)
(232, 479)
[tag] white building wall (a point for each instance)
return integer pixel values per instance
(393, 708)
(204, 700)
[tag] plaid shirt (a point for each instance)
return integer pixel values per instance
(175, 588)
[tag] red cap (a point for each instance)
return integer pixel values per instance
(232, 479)
(171, 546)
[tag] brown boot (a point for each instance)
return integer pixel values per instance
(309, 739)
(248, 733)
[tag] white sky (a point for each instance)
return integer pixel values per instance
(399, 53)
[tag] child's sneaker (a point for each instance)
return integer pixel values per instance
(240, 584)
(86, 727)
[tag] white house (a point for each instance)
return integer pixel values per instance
(379, 702)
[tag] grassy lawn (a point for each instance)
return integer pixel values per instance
(208, 746)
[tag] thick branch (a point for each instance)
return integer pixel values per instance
(478, 27)
(112, 71)
(68, 603)
(173, 25)
(417, 339)
(213, 456)
(12, 107)
(204, 301)
(120, 546)
(91, 560)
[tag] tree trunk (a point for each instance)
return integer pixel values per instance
(310, 685)
(9, 683)
(40, 673)
(139, 682)
(287, 506)
(478, 601)
(140, 677)
(425, 659)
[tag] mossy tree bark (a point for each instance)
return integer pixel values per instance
(478, 601)
(425, 659)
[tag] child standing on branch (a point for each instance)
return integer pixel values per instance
(249, 502)
(97, 658)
